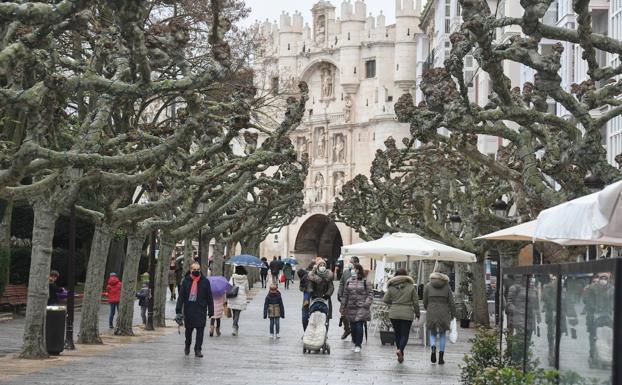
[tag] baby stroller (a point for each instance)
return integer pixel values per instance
(316, 335)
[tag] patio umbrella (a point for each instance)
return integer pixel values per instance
(596, 218)
(398, 247)
(290, 261)
(219, 285)
(244, 260)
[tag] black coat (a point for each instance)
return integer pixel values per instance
(196, 312)
(275, 266)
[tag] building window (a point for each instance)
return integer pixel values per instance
(354, 69)
(274, 85)
(288, 46)
(389, 98)
(310, 111)
(348, 35)
(397, 67)
(408, 32)
(447, 25)
(370, 69)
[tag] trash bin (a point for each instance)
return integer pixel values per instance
(55, 329)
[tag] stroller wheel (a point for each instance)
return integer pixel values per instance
(304, 350)
(327, 349)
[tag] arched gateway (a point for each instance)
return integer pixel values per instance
(318, 236)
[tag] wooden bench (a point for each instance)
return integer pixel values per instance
(14, 296)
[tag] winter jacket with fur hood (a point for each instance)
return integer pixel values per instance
(438, 300)
(401, 296)
(238, 302)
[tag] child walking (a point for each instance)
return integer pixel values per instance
(274, 309)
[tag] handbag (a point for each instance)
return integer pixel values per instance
(233, 291)
(227, 311)
(282, 278)
(453, 331)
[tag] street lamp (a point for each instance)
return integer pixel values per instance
(456, 223)
(500, 207)
(74, 173)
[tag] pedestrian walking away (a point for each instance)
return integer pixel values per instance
(356, 304)
(53, 289)
(264, 272)
(143, 299)
(438, 300)
(219, 310)
(114, 296)
(196, 302)
(401, 296)
(273, 308)
(172, 278)
(238, 303)
(345, 276)
(306, 297)
(287, 271)
(274, 270)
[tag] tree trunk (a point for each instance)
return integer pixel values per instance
(164, 258)
(5, 242)
(41, 259)
(219, 257)
(204, 252)
(188, 251)
(116, 252)
(89, 325)
(128, 289)
(250, 246)
(480, 304)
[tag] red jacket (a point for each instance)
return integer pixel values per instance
(114, 289)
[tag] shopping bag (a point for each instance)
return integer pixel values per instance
(453, 331)
(282, 278)
(227, 311)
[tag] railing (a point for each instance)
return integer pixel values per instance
(332, 118)
(565, 317)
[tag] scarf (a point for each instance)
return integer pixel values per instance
(194, 289)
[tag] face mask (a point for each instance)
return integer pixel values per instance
(349, 266)
(321, 269)
(604, 282)
(196, 273)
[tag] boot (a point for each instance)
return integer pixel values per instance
(218, 331)
(197, 353)
(235, 331)
(211, 330)
(187, 350)
(441, 361)
(433, 356)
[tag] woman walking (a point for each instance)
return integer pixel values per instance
(288, 272)
(356, 304)
(264, 272)
(438, 300)
(401, 296)
(114, 296)
(219, 309)
(238, 303)
(172, 277)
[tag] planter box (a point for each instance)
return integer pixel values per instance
(387, 337)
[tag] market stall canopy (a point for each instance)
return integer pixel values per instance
(526, 232)
(594, 218)
(403, 246)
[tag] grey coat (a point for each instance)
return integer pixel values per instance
(438, 300)
(401, 296)
(345, 276)
(356, 301)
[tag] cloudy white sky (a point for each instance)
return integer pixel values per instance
(271, 9)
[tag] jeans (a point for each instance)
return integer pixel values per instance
(401, 329)
(171, 287)
(264, 279)
(213, 321)
(236, 317)
(357, 332)
(275, 279)
(143, 314)
(113, 308)
(441, 339)
(274, 323)
(198, 342)
(287, 284)
(305, 318)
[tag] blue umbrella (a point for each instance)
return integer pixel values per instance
(245, 260)
(290, 261)
(219, 285)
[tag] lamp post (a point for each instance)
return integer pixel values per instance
(156, 188)
(201, 208)
(74, 173)
(500, 210)
(456, 223)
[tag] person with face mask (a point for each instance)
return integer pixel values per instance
(320, 283)
(345, 276)
(356, 304)
(195, 300)
(599, 299)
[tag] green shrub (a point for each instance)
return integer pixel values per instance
(515, 376)
(484, 354)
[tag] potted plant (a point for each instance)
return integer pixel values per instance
(384, 324)
(464, 307)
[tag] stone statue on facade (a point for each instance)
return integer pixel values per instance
(339, 151)
(327, 82)
(319, 187)
(320, 143)
(320, 30)
(301, 147)
(347, 110)
(340, 179)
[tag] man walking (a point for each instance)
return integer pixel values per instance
(195, 296)
(275, 267)
(345, 276)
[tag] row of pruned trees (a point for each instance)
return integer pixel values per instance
(144, 107)
(543, 160)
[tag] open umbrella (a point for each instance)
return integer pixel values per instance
(219, 285)
(244, 260)
(290, 261)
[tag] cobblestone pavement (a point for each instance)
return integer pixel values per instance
(253, 358)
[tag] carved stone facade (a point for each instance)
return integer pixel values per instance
(356, 67)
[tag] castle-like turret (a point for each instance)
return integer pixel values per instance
(406, 27)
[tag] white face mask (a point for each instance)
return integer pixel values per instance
(604, 282)
(321, 269)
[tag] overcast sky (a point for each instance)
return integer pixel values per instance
(271, 9)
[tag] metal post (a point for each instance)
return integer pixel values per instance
(617, 320)
(525, 323)
(152, 265)
(497, 296)
(71, 281)
(558, 321)
(199, 253)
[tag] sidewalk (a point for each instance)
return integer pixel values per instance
(255, 359)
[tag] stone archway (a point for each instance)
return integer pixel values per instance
(319, 236)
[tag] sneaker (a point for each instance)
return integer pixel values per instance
(271, 335)
(277, 335)
(357, 349)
